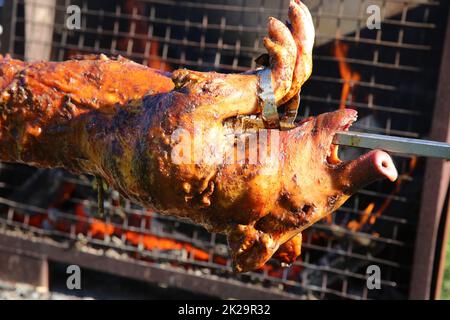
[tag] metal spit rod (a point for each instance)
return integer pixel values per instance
(417, 147)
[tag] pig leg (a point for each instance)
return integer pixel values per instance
(283, 55)
(302, 28)
(289, 251)
(238, 94)
(250, 248)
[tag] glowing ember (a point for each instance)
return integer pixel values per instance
(99, 228)
(151, 242)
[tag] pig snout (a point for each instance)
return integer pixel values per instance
(368, 168)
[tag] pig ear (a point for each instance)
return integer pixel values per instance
(283, 54)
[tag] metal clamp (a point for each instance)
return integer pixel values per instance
(287, 121)
(267, 96)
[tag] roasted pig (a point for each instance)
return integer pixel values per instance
(192, 144)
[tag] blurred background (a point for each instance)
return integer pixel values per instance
(395, 76)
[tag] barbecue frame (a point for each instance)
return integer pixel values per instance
(434, 196)
(427, 240)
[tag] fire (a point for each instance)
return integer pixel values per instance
(350, 77)
(367, 215)
(82, 222)
(357, 225)
(141, 27)
(151, 242)
(412, 165)
(99, 228)
(155, 61)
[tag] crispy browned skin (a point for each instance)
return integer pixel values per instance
(117, 119)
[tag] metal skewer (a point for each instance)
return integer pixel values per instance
(424, 148)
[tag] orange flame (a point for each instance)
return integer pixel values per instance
(367, 213)
(141, 29)
(350, 77)
(99, 229)
(357, 225)
(155, 61)
(151, 242)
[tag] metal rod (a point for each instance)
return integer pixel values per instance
(424, 148)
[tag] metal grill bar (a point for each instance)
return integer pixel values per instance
(255, 276)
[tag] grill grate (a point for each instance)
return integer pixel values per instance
(391, 79)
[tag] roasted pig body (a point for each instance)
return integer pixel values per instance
(192, 144)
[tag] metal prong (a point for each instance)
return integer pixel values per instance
(287, 121)
(417, 147)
